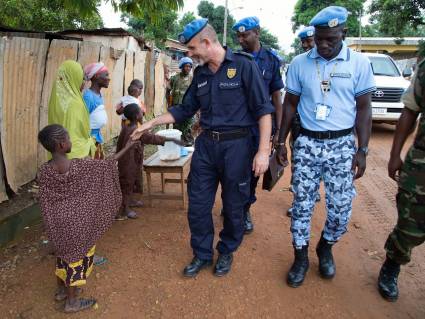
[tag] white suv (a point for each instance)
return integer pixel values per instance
(390, 85)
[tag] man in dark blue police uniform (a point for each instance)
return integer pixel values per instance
(248, 34)
(228, 90)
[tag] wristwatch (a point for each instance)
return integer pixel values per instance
(364, 150)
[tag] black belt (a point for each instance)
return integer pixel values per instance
(325, 135)
(226, 135)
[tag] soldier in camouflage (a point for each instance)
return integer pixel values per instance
(179, 85)
(410, 229)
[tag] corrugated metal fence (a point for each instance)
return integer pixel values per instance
(28, 68)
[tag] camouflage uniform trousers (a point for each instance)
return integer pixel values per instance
(410, 229)
(330, 159)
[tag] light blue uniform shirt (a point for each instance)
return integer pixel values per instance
(352, 77)
(92, 101)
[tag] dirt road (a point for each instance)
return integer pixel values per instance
(143, 276)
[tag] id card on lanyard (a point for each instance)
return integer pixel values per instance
(323, 110)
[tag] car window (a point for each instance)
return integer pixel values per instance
(383, 66)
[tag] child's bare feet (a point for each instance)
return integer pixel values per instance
(79, 304)
(132, 214)
(99, 260)
(61, 295)
(121, 217)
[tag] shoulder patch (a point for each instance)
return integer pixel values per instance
(246, 54)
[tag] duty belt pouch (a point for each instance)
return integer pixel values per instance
(295, 126)
(273, 173)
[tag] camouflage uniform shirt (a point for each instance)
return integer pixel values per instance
(412, 176)
(179, 85)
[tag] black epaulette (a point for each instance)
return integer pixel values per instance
(249, 55)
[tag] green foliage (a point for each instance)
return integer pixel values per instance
(269, 39)
(296, 50)
(46, 15)
(421, 49)
(375, 30)
(305, 10)
(155, 8)
(185, 19)
(398, 18)
(159, 31)
(215, 16)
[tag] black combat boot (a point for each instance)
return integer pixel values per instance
(223, 265)
(195, 266)
(387, 281)
(299, 268)
(248, 224)
(326, 260)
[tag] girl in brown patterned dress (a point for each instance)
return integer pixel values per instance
(131, 165)
(79, 199)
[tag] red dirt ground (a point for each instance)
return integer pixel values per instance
(143, 276)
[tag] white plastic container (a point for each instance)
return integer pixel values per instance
(170, 151)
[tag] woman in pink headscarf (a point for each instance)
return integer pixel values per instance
(98, 74)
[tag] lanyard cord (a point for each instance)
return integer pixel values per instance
(319, 76)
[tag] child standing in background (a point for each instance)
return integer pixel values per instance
(134, 91)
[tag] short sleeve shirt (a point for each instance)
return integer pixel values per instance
(408, 98)
(270, 69)
(233, 97)
(92, 101)
(350, 75)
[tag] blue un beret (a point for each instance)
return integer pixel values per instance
(192, 29)
(306, 32)
(330, 17)
(184, 61)
(246, 24)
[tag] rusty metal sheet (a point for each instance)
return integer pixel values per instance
(88, 52)
(3, 195)
(139, 69)
(59, 51)
(150, 81)
(115, 62)
(129, 69)
(160, 87)
(23, 73)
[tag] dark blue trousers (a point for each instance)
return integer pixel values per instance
(228, 163)
(254, 179)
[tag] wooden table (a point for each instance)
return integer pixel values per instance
(154, 165)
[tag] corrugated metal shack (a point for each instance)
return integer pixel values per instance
(28, 64)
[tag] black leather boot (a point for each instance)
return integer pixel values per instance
(196, 266)
(387, 281)
(223, 265)
(248, 224)
(299, 268)
(326, 260)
